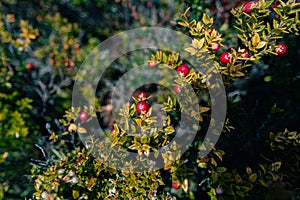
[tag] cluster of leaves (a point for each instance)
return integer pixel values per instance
(255, 29)
(52, 49)
(80, 176)
(258, 37)
(274, 176)
(258, 34)
(29, 72)
(40, 52)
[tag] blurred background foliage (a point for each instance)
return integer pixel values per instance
(55, 37)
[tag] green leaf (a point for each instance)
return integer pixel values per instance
(221, 169)
(239, 29)
(263, 183)
(268, 78)
(286, 9)
(144, 139)
(268, 28)
(75, 194)
(278, 11)
(123, 140)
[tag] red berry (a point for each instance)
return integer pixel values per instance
(275, 5)
(183, 70)
(214, 46)
(83, 116)
(225, 58)
(244, 53)
(151, 64)
(142, 107)
(280, 49)
(248, 6)
(141, 95)
(112, 131)
(79, 160)
(176, 89)
(30, 66)
(175, 185)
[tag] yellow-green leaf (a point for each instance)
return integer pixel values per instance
(263, 183)
(75, 194)
(261, 45)
(191, 50)
(72, 127)
(255, 39)
(185, 185)
(276, 166)
(184, 24)
(204, 109)
(205, 19)
(252, 177)
(82, 130)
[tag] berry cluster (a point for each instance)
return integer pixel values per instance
(226, 57)
(142, 106)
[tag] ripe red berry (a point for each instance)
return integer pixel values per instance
(30, 66)
(83, 116)
(175, 185)
(248, 6)
(244, 53)
(112, 131)
(214, 46)
(142, 107)
(225, 58)
(280, 49)
(183, 70)
(141, 95)
(151, 64)
(176, 89)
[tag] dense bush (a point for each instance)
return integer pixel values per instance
(251, 47)
(42, 45)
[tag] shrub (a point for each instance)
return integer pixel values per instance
(251, 51)
(217, 174)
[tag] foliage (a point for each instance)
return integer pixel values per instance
(250, 160)
(15, 130)
(80, 176)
